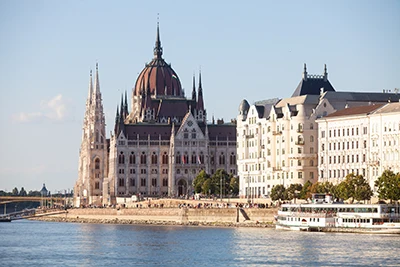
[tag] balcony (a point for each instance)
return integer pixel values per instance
(275, 169)
(276, 132)
(250, 136)
(299, 130)
(299, 142)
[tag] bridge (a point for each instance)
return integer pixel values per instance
(29, 213)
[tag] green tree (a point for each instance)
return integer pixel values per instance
(221, 182)
(22, 192)
(388, 185)
(354, 187)
(234, 185)
(293, 191)
(207, 187)
(278, 192)
(199, 181)
(305, 191)
(15, 192)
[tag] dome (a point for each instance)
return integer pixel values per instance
(158, 76)
(244, 107)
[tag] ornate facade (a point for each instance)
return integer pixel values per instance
(156, 149)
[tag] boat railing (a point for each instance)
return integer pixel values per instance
(313, 214)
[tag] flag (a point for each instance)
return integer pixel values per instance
(198, 160)
(183, 159)
(174, 76)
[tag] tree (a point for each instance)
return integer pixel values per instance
(234, 185)
(354, 187)
(22, 192)
(388, 186)
(221, 181)
(199, 181)
(15, 192)
(292, 191)
(207, 187)
(305, 191)
(278, 192)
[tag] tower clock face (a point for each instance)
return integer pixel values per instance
(190, 123)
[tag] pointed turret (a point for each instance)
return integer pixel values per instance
(122, 109)
(305, 72)
(116, 122)
(325, 73)
(157, 48)
(126, 105)
(89, 99)
(200, 103)
(96, 80)
(194, 89)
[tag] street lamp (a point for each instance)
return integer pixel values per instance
(220, 188)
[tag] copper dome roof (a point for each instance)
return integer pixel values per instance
(158, 76)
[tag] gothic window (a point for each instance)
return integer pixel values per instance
(154, 182)
(121, 158)
(201, 158)
(311, 163)
(193, 134)
(132, 182)
(232, 159)
(97, 135)
(178, 158)
(143, 158)
(311, 138)
(165, 158)
(132, 158)
(121, 182)
(101, 139)
(165, 182)
(222, 159)
(97, 164)
(96, 185)
(311, 126)
(212, 159)
(194, 158)
(154, 158)
(143, 182)
(299, 162)
(186, 158)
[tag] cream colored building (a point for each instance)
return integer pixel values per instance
(277, 139)
(361, 140)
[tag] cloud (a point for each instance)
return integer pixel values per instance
(53, 109)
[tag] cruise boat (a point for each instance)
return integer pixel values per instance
(324, 215)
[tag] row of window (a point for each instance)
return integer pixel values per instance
(143, 182)
(278, 128)
(344, 132)
(350, 159)
(259, 179)
(345, 145)
(343, 173)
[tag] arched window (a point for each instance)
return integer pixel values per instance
(311, 138)
(222, 159)
(311, 163)
(194, 158)
(232, 159)
(97, 164)
(193, 134)
(165, 158)
(121, 158)
(311, 126)
(201, 158)
(185, 134)
(143, 158)
(132, 158)
(97, 135)
(154, 158)
(178, 158)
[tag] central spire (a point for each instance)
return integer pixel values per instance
(158, 49)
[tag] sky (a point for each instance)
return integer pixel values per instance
(252, 50)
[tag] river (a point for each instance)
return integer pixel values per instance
(35, 243)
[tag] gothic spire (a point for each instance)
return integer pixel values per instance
(194, 89)
(200, 103)
(121, 112)
(89, 99)
(158, 49)
(126, 105)
(96, 80)
(325, 73)
(305, 72)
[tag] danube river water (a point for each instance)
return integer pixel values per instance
(35, 243)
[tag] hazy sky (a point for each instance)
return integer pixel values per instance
(246, 49)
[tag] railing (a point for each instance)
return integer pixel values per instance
(299, 130)
(299, 142)
(276, 132)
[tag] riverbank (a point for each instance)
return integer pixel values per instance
(223, 217)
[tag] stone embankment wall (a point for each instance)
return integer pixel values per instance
(170, 216)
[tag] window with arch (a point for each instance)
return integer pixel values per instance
(97, 135)
(194, 158)
(311, 163)
(201, 158)
(311, 126)
(97, 164)
(154, 158)
(178, 158)
(165, 182)
(165, 158)
(121, 158)
(143, 158)
(311, 138)
(222, 158)
(185, 134)
(132, 158)
(232, 159)
(193, 134)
